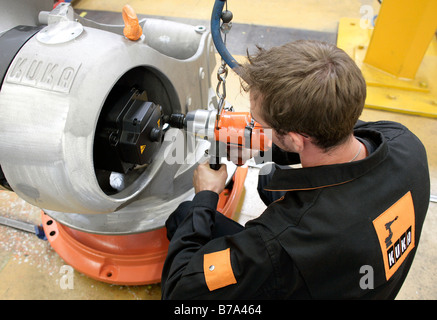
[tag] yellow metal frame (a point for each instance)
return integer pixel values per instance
(398, 58)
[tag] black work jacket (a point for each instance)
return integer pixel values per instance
(344, 231)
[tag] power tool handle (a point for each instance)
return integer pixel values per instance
(215, 166)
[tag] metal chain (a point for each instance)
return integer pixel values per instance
(222, 71)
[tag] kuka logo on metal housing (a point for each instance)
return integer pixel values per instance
(47, 74)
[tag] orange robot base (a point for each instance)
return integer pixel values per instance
(135, 259)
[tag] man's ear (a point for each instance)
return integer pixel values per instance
(297, 140)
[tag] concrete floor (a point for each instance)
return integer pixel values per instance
(30, 268)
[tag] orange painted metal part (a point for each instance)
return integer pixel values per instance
(126, 260)
(229, 199)
(135, 259)
(132, 29)
(231, 129)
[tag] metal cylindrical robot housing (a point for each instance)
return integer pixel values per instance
(52, 96)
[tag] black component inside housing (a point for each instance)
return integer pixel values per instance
(129, 131)
(118, 157)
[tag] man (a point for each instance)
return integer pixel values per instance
(323, 234)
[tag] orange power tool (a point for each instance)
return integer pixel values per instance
(234, 135)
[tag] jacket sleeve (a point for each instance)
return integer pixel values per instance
(199, 267)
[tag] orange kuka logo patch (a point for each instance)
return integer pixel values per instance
(395, 228)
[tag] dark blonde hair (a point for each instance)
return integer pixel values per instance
(308, 87)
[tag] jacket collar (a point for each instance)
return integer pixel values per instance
(331, 175)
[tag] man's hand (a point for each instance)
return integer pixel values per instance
(205, 178)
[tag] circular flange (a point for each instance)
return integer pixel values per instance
(126, 260)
